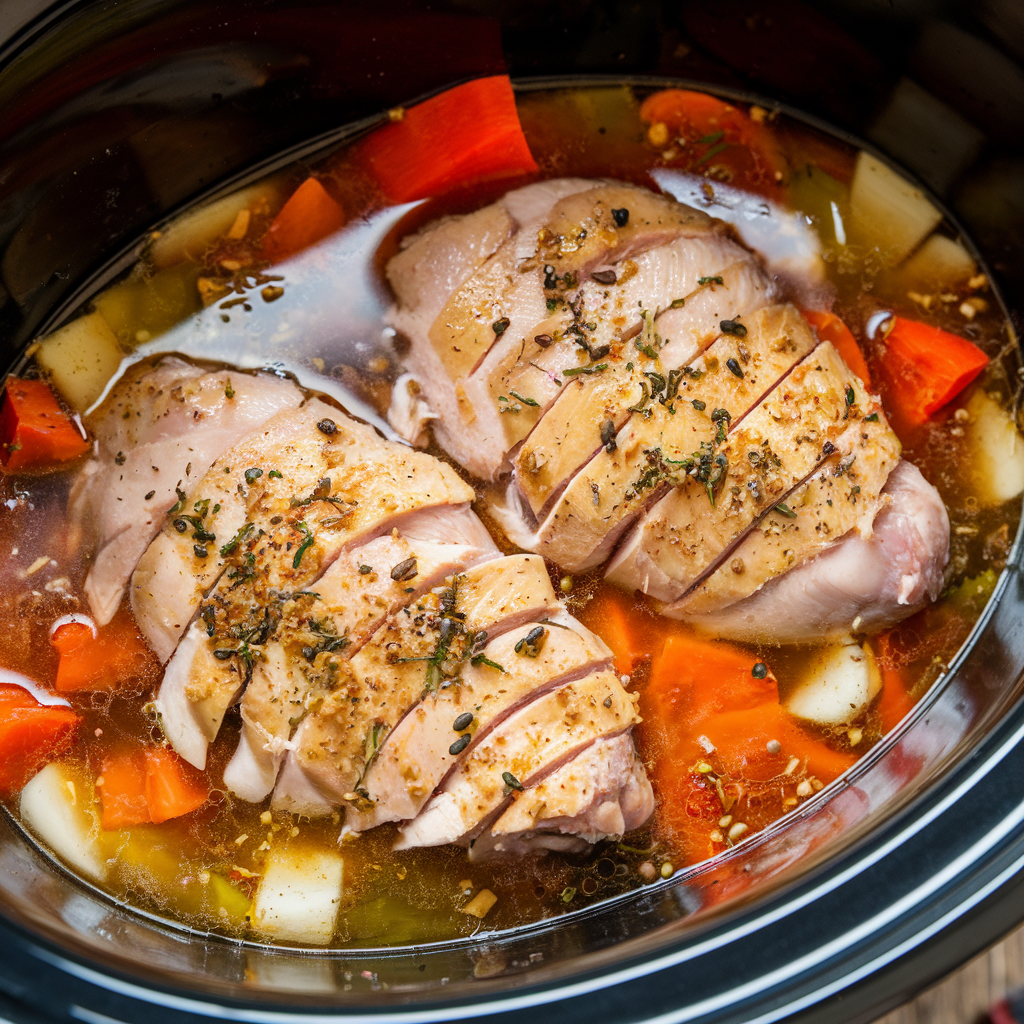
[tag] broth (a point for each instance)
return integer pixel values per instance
(320, 316)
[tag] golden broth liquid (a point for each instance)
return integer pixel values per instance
(327, 328)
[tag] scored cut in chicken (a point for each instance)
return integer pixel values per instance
(338, 588)
(620, 363)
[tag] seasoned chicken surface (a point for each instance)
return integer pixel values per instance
(339, 589)
(621, 365)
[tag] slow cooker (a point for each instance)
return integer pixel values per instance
(116, 113)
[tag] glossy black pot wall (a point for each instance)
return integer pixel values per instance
(114, 114)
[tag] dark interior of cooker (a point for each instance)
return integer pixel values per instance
(113, 115)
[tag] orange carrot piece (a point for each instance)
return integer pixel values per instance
(31, 736)
(692, 679)
(116, 656)
(925, 368)
(467, 134)
(716, 130)
(830, 328)
(741, 741)
(894, 702)
(309, 216)
(123, 793)
(173, 787)
(613, 615)
(35, 432)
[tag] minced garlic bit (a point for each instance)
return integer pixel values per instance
(924, 301)
(854, 735)
(396, 114)
(737, 830)
(657, 134)
(241, 839)
(480, 904)
(667, 870)
(967, 311)
(978, 281)
(240, 227)
(231, 265)
(466, 885)
(794, 763)
(266, 817)
(804, 788)
(758, 114)
(38, 564)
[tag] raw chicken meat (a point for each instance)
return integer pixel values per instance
(340, 590)
(157, 432)
(618, 361)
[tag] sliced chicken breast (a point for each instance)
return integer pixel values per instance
(525, 748)
(413, 654)
(601, 793)
(416, 755)
(157, 433)
(860, 584)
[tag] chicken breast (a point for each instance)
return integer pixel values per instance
(416, 756)
(157, 433)
(415, 653)
(601, 793)
(309, 479)
(860, 583)
(525, 748)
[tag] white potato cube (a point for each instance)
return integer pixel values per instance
(192, 233)
(80, 358)
(996, 451)
(940, 264)
(299, 895)
(886, 211)
(836, 687)
(60, 809)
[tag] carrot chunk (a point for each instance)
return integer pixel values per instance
(173, 788)
(31, 736)
(467, 134)
(925, 368)
(715, 134)
(830, 328)
(309, 216)
(614, 616)
(123, 793)
(116, 656)
(692, 679)
(35, 432)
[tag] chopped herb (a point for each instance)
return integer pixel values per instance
(629, 367)
(327, 426)
(716, 279)
(552, 304)
(675, 378)
(406, 570)
(620, 216)
(712, 152)
(647, 350)
(463, 722)
(722, 418)
(526, 401)
(480, 659)
(501, 326)
(365, 570)
(711, 139)
(229, 391)
(760, 670)
(784, 510)
(252, 475)
(850, 396)
(275, 474)
(734, 367)
(733, 327)
(240, 535)
(575, 371)
(373, 738)
(305, 545)
(511, 781)
(120, 458)
(873, 418)
(608, 435)
(645, 397)
(692, 373)
(460, 744)
(677, 304)
(179, 504)
(699, 405)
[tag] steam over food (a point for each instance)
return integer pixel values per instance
(620, 360)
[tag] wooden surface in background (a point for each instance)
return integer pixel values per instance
(964, 997)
